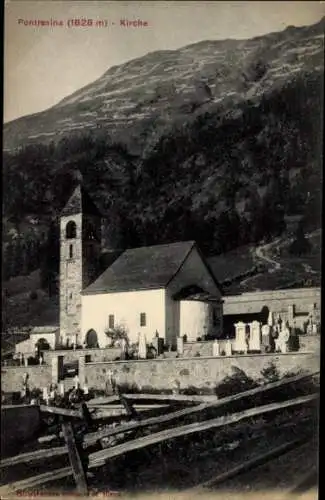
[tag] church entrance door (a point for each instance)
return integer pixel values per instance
(91, 339)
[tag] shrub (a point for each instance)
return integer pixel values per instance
(190, 391)
(35, 393)
(235, 383)
(184, 372)
(119, 332)
(293, 343)
(270, 373)
(32, 361)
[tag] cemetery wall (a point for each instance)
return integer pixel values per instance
(12, 377)
(276, 301)
(69, 355)
(199, 372)
(310, 343)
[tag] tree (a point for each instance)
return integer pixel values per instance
(301, 245)
(51, 260)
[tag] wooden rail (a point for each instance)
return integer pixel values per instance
(34, 456)
(100, 457)
(31, 482)
(76, 454)
(61, 411)
(91, 438)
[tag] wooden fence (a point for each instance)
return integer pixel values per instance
(77, 442)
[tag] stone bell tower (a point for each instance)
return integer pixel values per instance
(80, 247)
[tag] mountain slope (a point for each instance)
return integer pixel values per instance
(138, 101)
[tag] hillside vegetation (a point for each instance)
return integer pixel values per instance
(216, 142)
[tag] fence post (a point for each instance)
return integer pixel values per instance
(82, 374)
(57, 369)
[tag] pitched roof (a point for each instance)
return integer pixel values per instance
(80, 202)
(142, 268)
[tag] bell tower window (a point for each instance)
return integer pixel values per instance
(70, 251)
(70, 302)
(71, 230)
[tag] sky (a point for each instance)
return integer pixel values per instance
(44, 64)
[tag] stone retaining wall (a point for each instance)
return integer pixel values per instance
(12, 377)
(201, 373)
(69, 355)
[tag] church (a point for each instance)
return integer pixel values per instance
(167, 290)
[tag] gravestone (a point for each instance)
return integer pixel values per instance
(228, 349)
(158, 344)
(266, 330)
(123, 345)
(76, 382)
(215, 348)
(180, 345)
(176, 386)
(255, 336)
(45, 394)
(240, 343)
(281, 341)
(142, 353)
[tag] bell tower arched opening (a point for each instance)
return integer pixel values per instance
(71, 230)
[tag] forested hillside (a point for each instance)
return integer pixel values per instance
(221, 163)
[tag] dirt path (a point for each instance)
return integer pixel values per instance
(262, 253)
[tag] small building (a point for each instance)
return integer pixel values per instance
(44, 337)
(292, 222)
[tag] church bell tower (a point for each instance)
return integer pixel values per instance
(80, 247)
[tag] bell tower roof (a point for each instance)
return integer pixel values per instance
(80, 202)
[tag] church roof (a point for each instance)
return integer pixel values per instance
(142, 268)
(80, 202)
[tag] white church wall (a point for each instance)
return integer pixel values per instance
(126, 308)
(195, 319)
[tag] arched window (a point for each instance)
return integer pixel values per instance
(70, 251)
(71, 230)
